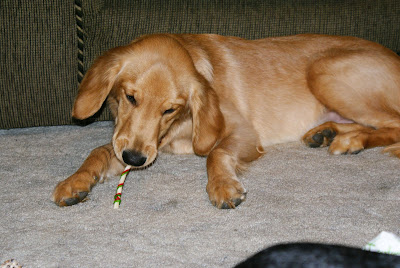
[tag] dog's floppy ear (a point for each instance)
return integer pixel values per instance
(97, 84)
(208, 121)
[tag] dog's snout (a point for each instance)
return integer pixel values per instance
(133, 158)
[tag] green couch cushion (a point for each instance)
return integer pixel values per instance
(112, 23)
(38, 77)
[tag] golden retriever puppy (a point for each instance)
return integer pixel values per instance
(227, 98)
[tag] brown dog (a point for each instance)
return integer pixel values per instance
(227, 97)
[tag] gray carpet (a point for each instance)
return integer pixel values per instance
(165, 219)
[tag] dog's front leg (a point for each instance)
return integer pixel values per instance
(231, 155)
(99, 163)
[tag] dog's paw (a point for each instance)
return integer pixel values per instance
(73, 190)
(348, 143)
(226, 193)
(316, 138)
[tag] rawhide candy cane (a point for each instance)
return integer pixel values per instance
(117, 197)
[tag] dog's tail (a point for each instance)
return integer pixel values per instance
(393, 149)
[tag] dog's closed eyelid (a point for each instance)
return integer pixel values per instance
(131, 99)
(169, 111)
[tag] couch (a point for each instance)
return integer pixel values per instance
(46, 46)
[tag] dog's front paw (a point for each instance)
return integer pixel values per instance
(73, 190)
(226, 193)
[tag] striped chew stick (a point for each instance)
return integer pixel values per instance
(117, 197)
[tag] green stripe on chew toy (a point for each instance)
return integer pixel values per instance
(117, 196)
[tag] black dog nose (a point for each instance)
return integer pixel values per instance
(133, 158)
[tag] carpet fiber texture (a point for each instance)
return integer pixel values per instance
(166, 220)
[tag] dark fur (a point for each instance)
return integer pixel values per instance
(309, 255)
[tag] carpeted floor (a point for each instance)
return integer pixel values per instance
(165, 219)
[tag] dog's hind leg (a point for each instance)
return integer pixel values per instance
(360, 85)
(350, 138)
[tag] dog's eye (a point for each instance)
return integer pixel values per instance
(169, 111)
(131, 99)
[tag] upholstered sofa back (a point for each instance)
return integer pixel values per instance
(46, 46)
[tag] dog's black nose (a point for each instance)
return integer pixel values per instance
(133, 158)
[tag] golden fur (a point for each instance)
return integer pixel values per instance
(227, 98)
